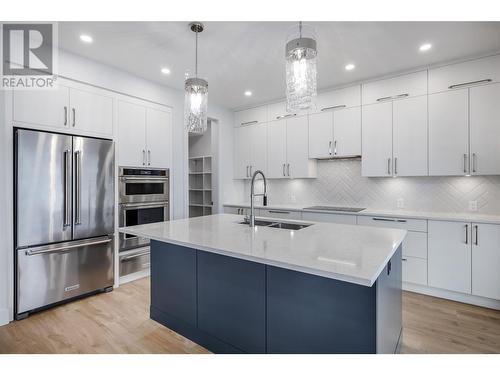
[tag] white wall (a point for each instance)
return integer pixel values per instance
(4, 216)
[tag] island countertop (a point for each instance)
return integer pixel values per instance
(337, 251)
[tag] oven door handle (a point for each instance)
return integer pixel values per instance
(148, 205)
(145, 179)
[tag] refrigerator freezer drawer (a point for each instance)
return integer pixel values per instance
(134, 261)
(54, 273)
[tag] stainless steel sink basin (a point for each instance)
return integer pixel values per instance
(277, 224)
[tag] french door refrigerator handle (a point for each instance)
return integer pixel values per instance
(67, 193)
(78, 186)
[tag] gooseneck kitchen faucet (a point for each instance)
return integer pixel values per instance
(251, 220)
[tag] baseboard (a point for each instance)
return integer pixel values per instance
(4, 316)
(454, 296)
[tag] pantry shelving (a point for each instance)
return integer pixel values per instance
(200, 186)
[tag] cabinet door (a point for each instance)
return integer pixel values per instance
(297, 147)
(448, 133)
(413, 84)
(414, 270)
(377, 140)
(251, 116)
(486, 260)
(259, 148)
(346, 97)
(91, 112)
(410, 136)
(42, 107)
(485, 129)
(242, 151)
(159, 138)
(131, 134)
(347, 132)
(276, 149)
(321, 135)
(449, 256)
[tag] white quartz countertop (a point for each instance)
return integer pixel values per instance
(343, 252)
(430, 215)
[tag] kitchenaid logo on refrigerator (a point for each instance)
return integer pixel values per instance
(29, 55)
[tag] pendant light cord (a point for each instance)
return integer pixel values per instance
(300, 29)
(196, 57)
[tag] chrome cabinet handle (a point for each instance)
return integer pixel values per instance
(149, 157)
(143, 157)
(387, 219)
(458, 85)
(465, 163)
(283, 169)
(335, 147)
(288, 170)
(330, 148)
(74, 116)
(249, 122)
(286, 116)
(395, 165)
(278, 212)
(474, 161)
(333, 107)
(476, 240)
(78, 186)
(404, 259)
(388, 165)
(65, 115)
(250, 172)
(466, 233)
(67, 202)
(394, 97)
(133, 256)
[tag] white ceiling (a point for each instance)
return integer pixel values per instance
(239, 56)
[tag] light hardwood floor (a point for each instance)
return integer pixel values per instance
(118, 322)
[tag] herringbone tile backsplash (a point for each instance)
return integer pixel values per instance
(340, 183)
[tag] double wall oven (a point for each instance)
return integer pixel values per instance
(144, 198)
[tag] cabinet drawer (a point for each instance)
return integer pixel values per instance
(135, 262)
(415, 245)
(240, 211)
(251, 116)
(329, 218)
(342, 98)
(440, 79)
(414, 270)
(281, 214)
(394, 222)
(407, 85)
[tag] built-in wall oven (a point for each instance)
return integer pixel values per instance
(144, 199)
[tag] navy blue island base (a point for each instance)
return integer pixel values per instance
(229, 305)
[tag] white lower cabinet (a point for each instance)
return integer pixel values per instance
(486, 260)
(414, 270)
(329, 217)
(449, 255)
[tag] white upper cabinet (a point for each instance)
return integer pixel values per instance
(276, 111)
(258, 138)
(321, 135)
(91, 112)
(377, 140)
(448, 133)
(250, 152)
(297, 150)
(466, 74)
(410, 136)
(341, 98)
(251, 116)
(276, 149)
(449, 255)
(131, 134)
(485, 129)
(408, 85)
(485, 260)
(158, 138)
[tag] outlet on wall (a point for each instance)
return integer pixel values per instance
(472, 205)
(293, 198)
(400, 203)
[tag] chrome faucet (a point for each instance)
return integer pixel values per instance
(251, 219)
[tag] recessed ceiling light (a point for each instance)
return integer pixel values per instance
(350, 67)
(86, 38)
(165, 70)
(248, 93)
(425, 47)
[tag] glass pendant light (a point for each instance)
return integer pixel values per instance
(301, 80)
(196, 94)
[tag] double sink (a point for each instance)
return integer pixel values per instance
(277, 224)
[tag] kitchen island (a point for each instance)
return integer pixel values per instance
(325, 288)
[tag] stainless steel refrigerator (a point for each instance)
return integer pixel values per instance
(64, 214)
